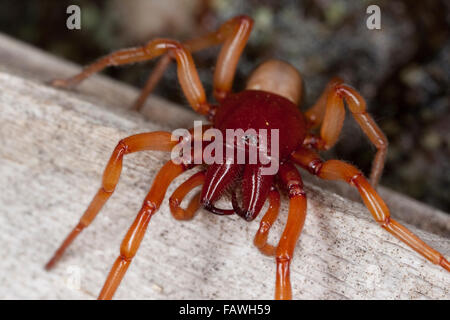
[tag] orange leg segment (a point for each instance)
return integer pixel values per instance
(357, 106)
(159, 140)
(329, 110)
(260, 240)
(296, 219)
(233, 34)
(187, 73)
(339, 170)
(152, 81)
(135, 234)
(178, 195)
(315, 114)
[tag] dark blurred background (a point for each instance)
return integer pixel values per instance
(403, 70)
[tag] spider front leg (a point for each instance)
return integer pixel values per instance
(329, 110)
(158, 140)
(291, 178)
(136, 232)
(339, 170)
(187, 73)
(233, 34)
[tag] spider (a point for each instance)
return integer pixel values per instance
(269, 101)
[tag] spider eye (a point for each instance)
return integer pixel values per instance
(250, 139)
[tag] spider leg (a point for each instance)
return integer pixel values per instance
(339, 170)
(315, 114)
(178, 195)
(187, 73)
(233, 34)
(330, 111)
(291, 178)
(158, 140)
(136, 232)
(152, 81)
(260, 240)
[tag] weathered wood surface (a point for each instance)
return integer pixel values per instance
(54, 146)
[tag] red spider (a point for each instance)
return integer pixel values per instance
(268, 102)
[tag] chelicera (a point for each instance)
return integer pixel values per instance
(269, 101)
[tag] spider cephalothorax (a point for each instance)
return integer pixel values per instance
(269, 102)
(254, 110)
